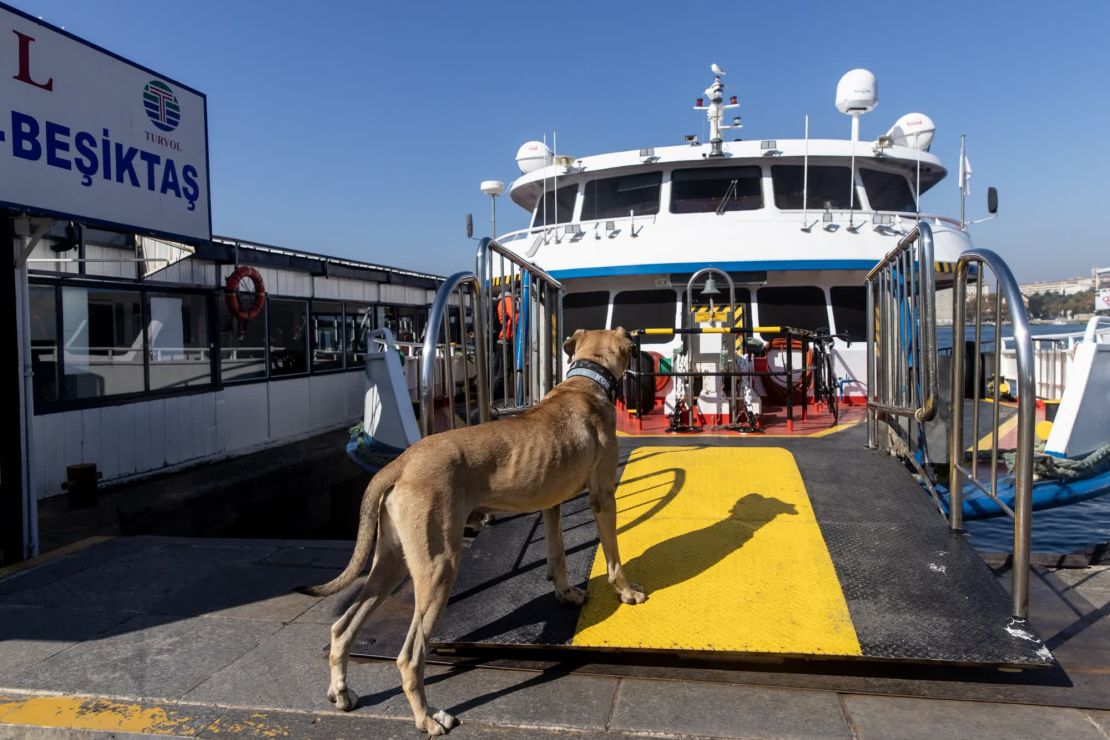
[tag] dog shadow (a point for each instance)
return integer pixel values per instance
(678, 559)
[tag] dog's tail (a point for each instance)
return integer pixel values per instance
(379, 486)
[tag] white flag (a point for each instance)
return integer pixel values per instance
(965, 173)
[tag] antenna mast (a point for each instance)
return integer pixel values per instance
(715, 111)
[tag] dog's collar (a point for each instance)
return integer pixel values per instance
(597, 373)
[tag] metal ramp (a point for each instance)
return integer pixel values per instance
(747, 549)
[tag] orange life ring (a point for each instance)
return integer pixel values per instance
(661, 382)
(232, 296)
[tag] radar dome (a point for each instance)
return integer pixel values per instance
(857, 92)
(914, 130)
(533, 155)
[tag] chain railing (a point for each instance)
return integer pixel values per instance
(996, 314)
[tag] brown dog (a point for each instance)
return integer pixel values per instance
(414, 510)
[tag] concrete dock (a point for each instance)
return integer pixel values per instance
(188, 637)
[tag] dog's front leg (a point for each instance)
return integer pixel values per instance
(604, 505)
(556, 560)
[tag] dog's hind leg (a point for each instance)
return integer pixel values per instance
(557, 560)
(385, 574)
(432, 552)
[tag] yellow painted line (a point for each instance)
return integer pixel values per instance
(84, 713)
(987, 442)
(106, 715)
(54, 554)
(725, 543)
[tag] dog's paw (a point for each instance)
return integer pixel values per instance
(634, 594)
(344, 699)
(573, 596)
(439, 723)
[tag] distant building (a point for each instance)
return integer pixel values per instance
(1069, 286)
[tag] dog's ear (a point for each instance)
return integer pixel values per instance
(572, 342)
(625, 334)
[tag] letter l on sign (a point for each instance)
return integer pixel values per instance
(25, 64)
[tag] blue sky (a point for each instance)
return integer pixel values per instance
(363, 129)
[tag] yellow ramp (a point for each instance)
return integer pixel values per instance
(725, 542)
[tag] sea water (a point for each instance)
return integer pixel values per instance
(1062, 530)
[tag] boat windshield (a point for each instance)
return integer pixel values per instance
(615, 197)
(556, 207)
(828, 186)
(719, 189)
(887, 191)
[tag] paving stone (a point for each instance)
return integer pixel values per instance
(55, 569)
(329, 609)
(244, 592)
(31, 634)
(907, 719)
(1101, 720)
(139, 580)
(148, 656)
(684, 707)
(290, 671)
(335, 558)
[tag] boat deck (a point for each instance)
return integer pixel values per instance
(748, 548)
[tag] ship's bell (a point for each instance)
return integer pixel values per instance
(710, 288)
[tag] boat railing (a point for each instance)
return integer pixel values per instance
(902, 378)
(523, 307)
(1005, 305)
(1053, 354)
(451, 348)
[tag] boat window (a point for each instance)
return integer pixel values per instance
(556, 207)
(888, 191)
(828, 186)
(707, 190)
(645, 309)
(615, 197)
(406, 322)
(800, 306)
(288, 338)
(327, 336)
(102, 332)
(242, 346)
(359, 322)
(850, 310)
(44, 342)
(177, 340)
(585, 311)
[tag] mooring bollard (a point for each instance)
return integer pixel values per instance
(81, 485)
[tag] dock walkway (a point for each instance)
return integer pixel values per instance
(202, 637)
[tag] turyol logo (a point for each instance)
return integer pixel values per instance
(161, 105)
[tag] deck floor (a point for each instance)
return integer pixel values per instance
(829, 550)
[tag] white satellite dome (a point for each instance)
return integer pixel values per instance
(857, 92)
(914, 130)
(532, 156)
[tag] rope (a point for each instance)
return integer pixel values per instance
(1069, 469)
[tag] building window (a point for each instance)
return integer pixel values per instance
(405, 322)
(177, 340)
(44, 342)
(800, 306)
(242, 346)
(104, 342)
(828, 187)
(887, 191)
(359, 322)
(616, 197)
(850, 311)
(556, 207)
(288, 338)
(646, 309)
(327, 336)
(712, 189)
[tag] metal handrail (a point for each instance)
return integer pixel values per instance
(532, 366)
(437, 321)
(1006, 287)
(910, 359)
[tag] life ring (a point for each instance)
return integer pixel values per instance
(232, 295)
(661, 382)
(776, 384)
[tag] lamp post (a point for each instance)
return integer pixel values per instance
(493, 188)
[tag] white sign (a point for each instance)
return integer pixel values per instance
(85, 134)
(1102, 299)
